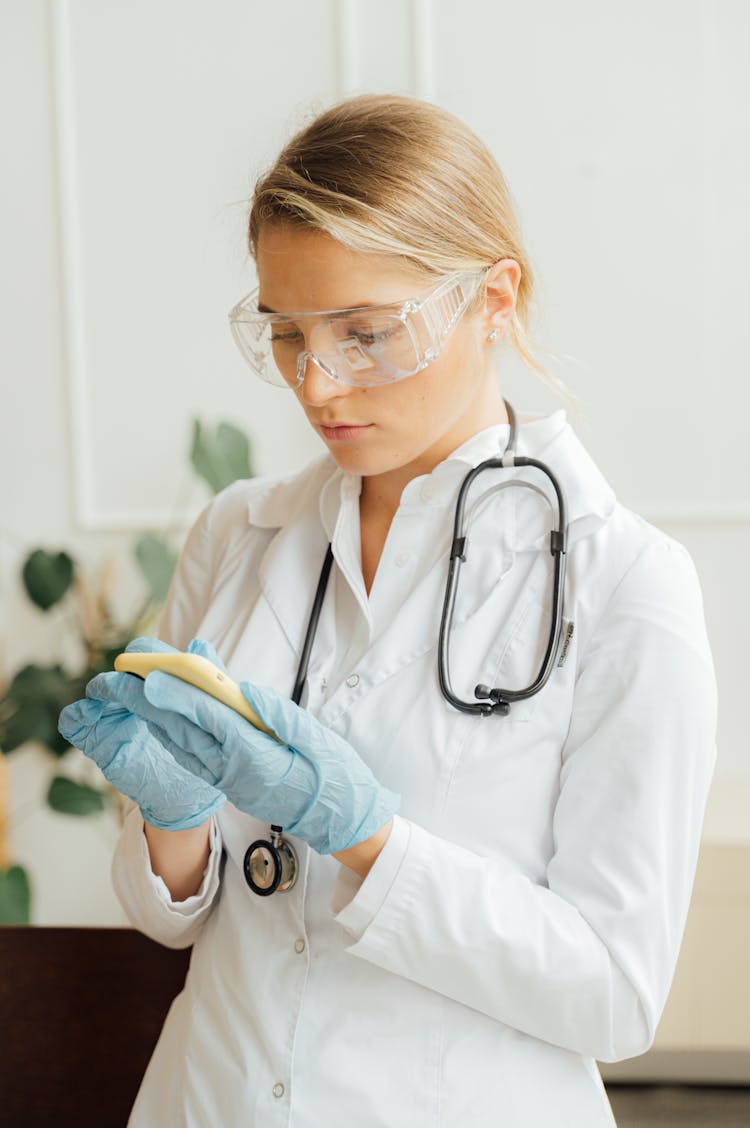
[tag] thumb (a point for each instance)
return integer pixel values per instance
(206, 650)
(145, 644)
(276, 711)
(75, 720)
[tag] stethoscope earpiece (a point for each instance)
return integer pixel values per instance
(499, 705)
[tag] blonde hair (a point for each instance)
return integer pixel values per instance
(393, 175)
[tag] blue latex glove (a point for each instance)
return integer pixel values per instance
(123, 737)
(314, 784)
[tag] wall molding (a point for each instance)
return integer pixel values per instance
(87, 517)
(694, 1066)
(423, 80)
(347, 46)
(72, 297)
(86, 514)
(674, 513)
(349, 34)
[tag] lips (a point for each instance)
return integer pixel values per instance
(344, 432)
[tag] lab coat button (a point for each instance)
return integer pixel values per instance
(299, 946)
(352, 681)
(278, 1089)
(403, 558)
(427, 492)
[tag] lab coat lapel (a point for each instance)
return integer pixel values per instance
(413, 632)
(290, 568)
(499, 579)
(514, 523)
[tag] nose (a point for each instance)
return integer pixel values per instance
(317, 386)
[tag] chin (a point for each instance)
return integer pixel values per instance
(351, 462)
(362, 462)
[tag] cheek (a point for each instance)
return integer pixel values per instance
(437, 393)
(410, 412)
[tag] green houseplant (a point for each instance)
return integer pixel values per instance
(31, 701)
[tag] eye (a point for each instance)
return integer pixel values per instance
(286, 334)
(369, 335)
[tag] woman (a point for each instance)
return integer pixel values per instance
(487, 902)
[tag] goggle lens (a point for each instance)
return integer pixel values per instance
(361, 347)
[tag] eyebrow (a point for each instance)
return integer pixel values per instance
(360, 305)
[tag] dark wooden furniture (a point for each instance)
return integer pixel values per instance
(80, 1012)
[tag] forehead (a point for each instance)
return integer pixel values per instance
(300, 269)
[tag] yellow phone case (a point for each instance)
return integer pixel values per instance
(196, 670)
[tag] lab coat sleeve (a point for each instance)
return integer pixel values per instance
(586, 960)
(379, 880)
(144, 895)
(190, 590)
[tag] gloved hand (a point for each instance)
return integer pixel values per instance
(133, 750)
(314, 784)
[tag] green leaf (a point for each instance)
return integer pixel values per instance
(32, 682)
(31, 706)
(71, 798)
(15, 896)
(236, 448)
(157, 561)
(105, 661)
(29, 721)
(221, 456)
(47, 577)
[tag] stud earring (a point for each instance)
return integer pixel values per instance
(493, 335)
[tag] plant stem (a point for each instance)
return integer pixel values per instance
(4, 831)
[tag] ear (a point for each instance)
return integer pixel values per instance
(503, 280)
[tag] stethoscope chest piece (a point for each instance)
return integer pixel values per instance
(270, 865)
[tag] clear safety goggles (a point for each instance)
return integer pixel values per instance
(364, 346)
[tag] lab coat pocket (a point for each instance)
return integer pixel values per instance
(503, 642)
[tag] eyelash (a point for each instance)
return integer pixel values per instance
(362, 336)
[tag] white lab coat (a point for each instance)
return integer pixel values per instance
(525, 916)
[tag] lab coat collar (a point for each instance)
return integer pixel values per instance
(274, 502)
(308, 506)
(589, 498)
(550, 438)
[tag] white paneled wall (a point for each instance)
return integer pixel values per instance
(134, 134)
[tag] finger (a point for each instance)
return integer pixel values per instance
(207, 650)
(128, 690)
(231, 732)
(146, 644)
(112, 685)
(196, 765)
(200, 724)
(138, 765)
(168, 692)
(191, 747)
(290, 723)
(100, 729)
(77, 719)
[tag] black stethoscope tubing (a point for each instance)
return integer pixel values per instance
(498, 700)
(276, 853)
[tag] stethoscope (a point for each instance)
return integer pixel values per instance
(271, 864)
